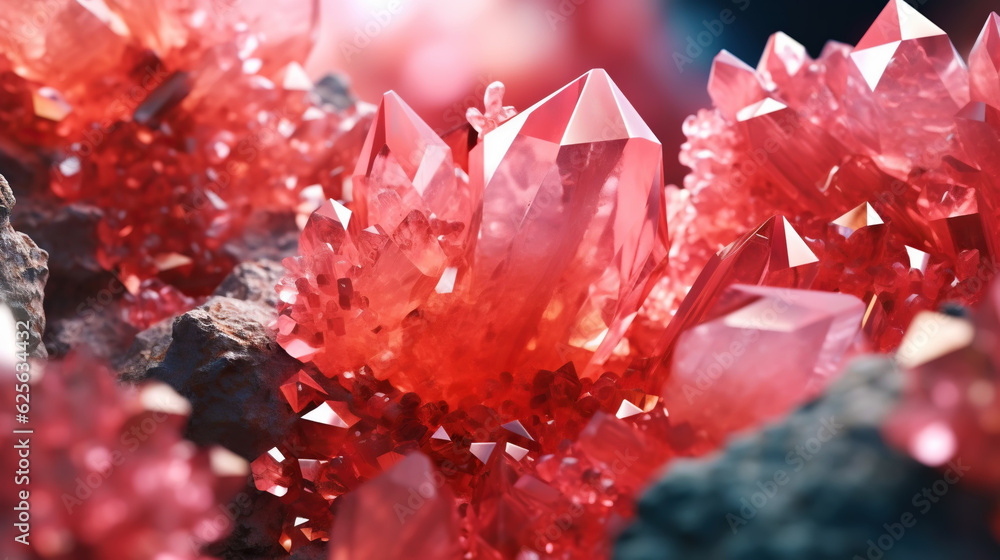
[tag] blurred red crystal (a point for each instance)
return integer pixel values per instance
(950, 408)
(112, 476)
(410, 501)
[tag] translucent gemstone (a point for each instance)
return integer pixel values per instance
(733, 84)
(984, 63)
(782, 59)
(772, 254)
(573, 224)
(796, 153)
(760, 352)
(302, 391)
(410, 502)
(406, 184)
(277, 472)
(909, 81)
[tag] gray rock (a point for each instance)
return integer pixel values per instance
(148, 350)
(23, 273)
(99, 329)
(253, 281)
(224, 359)
(69, 235)
(785, 493)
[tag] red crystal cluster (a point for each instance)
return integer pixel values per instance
(110, 475)
(827, 197)
(177, 119)
(539, 252)
(881, 157)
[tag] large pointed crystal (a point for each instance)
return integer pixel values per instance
(984, 63)
(908, 81)
(573, 223)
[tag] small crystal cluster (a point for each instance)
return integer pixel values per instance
(110, 474)
(177, 120)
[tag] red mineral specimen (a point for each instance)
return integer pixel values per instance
(830, 202)
(179, 120)
(885, 126)
(429, 255)
(950, 408)
(112, 476)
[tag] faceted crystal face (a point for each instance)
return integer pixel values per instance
(907, 76)
(733, 84)
(406, 184)
(761, 352)
(772, 254)
(573, 222)
(545, 249)
(984, 63)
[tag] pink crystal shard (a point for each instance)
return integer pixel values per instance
(545, 251)
(772, 254)
(733, 84)
(411, 502)
(761, 352)
(495, 114)
(406, 184)
(984, 63)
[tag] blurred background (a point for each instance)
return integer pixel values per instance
(659, 52)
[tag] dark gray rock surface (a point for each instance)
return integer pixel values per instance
(224, 359)
(253, 281)
(785, 493)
